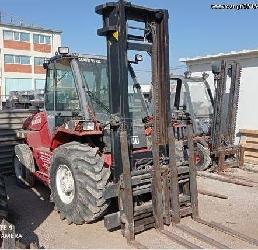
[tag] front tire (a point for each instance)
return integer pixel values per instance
(77, 180)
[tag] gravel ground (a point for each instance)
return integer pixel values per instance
(37, 221)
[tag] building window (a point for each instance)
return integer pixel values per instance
(9, 59)
(13, 59)
(17, 84)
(16, 36)
(38, 61)
(40, 83)
(41, 39)
(8, 35)
(24, 37)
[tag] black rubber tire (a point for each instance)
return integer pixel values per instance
(204, 157)
(90, 178)
(24, 178)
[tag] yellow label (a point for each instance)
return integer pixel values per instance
(115, 35)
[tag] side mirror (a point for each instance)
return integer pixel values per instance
(138, 58)
(216, 68)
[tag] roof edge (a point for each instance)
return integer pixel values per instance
(215, 56)
(30, 27)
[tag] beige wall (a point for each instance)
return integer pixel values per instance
(55, 43)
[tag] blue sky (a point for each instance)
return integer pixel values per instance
(195, 29)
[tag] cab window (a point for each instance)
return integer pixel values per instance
(49, 89)
(66, 98)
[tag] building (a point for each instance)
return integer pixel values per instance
(23, 51)
(248, 99)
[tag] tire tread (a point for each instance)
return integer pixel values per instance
(90, 176)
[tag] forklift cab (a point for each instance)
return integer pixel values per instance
(77, 89)
(193, 94)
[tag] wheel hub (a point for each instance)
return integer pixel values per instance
(65, 184)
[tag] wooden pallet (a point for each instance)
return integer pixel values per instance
(249, 146)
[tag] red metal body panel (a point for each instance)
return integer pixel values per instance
(37, 131)
(42, 177)
(42, 144)
(42, 158)
(64, 135)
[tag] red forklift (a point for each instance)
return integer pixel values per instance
(95, 146)
(89, 144)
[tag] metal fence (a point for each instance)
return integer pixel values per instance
(10, 122)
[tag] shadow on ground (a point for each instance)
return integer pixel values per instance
(28, 208)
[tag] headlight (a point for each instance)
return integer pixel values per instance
(88, 126)
(63, 50)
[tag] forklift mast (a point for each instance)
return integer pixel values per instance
(155, 41)
(166, 189)
(225, 153)
(224, 121)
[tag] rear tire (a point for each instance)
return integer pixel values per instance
(24, 178)
(77, 180)
(204, 159)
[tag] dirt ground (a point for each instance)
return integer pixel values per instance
(36, 220)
